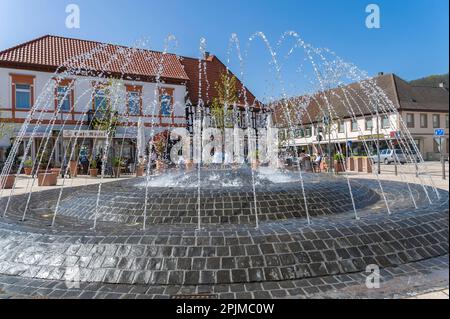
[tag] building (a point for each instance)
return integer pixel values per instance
(67, 81)
(352, 115)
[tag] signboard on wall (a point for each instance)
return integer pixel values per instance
(370, 137)
(84, 134)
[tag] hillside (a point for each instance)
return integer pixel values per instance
(432, 80)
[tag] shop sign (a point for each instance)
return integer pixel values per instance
(370, 137)
(84, 134)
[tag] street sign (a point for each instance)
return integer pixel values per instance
(439, 132)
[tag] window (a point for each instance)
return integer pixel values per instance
(298, 133)
(354, 125)
(63, 98)
(436, 121)
(341, 127)
(385, 123)
(308, 131)
(446, 120)
(166, 100)
(22, 91)
(100, 100)
(369, 124)
(410, 120)
(423, 120)
(134, 103)
(23, 96)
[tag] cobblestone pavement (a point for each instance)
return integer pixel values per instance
(283, 258)
(405, 281)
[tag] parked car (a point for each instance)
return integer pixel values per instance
(389, 156)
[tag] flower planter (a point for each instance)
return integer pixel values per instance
(351, 164)
(28, 170)
(47, 179)
(7, 182)
(359, 165)
(73, 167)
(368, 165)
(93, 172)
(339, 167)
(140, 171)
(56, 171)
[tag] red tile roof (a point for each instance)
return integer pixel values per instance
(50, 52)
(209, 76)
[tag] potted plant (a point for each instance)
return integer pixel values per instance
(28, 166)
(339, 160)
(117, 166)
(93, 170)
(7, 181)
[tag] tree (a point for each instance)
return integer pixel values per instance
(6, 128)
(106, 118)
(227, 97)
(222, 105)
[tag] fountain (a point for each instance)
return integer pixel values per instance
(193, 231)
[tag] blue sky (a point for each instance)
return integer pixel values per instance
(412, 41)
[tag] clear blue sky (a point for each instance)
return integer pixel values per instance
(412, 42)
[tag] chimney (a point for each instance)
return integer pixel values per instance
(207, 54)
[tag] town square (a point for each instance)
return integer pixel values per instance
(267, 165)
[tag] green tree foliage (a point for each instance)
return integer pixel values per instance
(432, 80)
(227, 96)
(106, 118)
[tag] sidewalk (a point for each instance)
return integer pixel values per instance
(24, 184)
(406, 173)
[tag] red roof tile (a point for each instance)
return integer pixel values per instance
(214, 69)
(51, 52)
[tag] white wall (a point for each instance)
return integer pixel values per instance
(83, 91)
